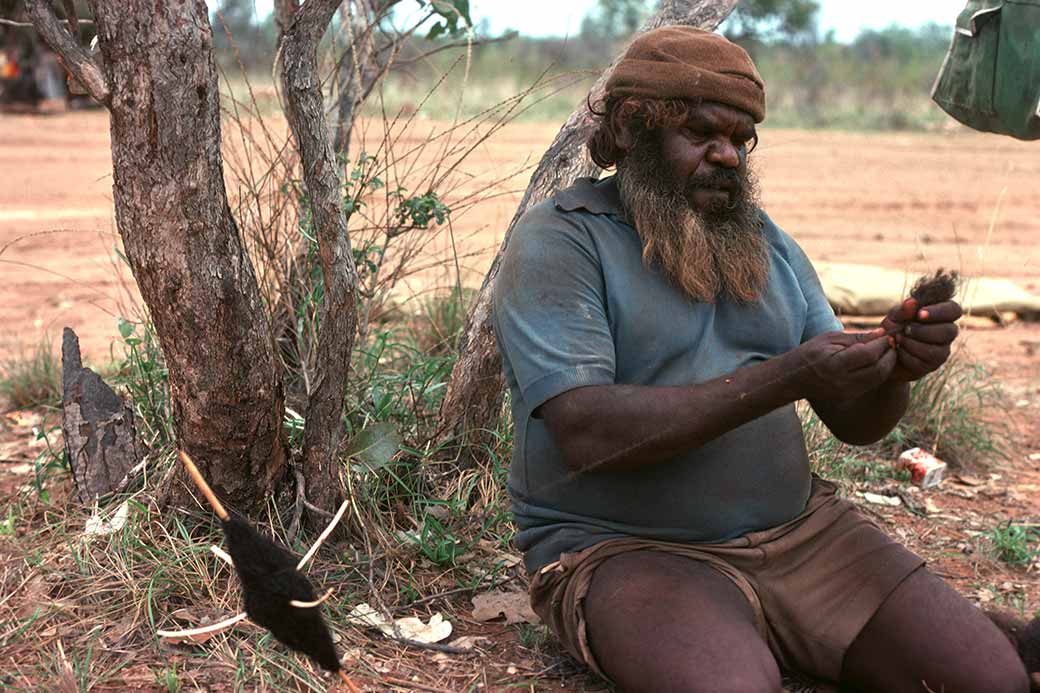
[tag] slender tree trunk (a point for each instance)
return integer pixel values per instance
(473, 401)
(353, 74)
(338, 312)
(158, 79)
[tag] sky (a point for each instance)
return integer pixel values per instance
(846, 17)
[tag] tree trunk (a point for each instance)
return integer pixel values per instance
(473, 401)
(160, 84)
(352, 74)
(338, 312)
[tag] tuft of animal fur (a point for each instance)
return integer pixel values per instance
(936, 289)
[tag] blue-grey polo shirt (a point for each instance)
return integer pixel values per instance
(575, 306)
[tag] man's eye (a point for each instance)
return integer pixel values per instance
(695, 135)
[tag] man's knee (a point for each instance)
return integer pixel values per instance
(1007, 676)
(756, 675)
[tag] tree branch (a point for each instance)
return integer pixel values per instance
(338, 313)
(75, 58)
(30, 25)
(473, 399)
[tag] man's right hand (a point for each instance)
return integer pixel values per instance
(841, 366)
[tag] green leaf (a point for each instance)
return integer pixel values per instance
(435, 31)
(126, 328)
(375, 445)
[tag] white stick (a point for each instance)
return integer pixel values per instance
(323, 536)
(310, 605)
(222, 555)
(211, 628)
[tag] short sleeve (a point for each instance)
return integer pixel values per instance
(819, 316)
(550, 311)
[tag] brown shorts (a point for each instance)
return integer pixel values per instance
(813, 582)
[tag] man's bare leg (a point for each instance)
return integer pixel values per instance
(658, 622)
(926, 633)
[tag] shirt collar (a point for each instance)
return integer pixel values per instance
(595, 196)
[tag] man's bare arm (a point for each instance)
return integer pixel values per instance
(619, 427)
(865, 419)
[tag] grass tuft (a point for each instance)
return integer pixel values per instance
(955, 413)
(31, 378)
(1014, 544)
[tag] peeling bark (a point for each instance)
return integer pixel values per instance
(98, 427)
(473, 401)
(181, 241)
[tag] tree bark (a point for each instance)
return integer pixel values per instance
(181, 241)
(473, 401)
(338, 311)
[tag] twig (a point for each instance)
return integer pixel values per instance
(414, 685)
(211, 628)
(294, 526)
(200, 483)
(324, 535)
(310, 605)
(436, 647)
(222, 555)
(29, 25)
(457, 590)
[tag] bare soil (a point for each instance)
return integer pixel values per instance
(907, 201)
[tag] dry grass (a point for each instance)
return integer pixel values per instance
(31, 378)
(80, 612)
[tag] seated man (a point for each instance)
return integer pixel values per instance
(656, 329)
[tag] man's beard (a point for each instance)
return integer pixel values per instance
(705, 253)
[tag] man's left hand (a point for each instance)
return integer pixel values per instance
(922, 337)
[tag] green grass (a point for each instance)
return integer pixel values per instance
(32, 378)
(1014, 544)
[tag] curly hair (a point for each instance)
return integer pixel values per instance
(640, 115)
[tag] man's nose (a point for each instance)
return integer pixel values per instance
(725, 154)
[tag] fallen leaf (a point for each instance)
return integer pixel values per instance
(930, 508)
(468, 642)
(967, 480)
(881, 500)
(97, 527)
(18, 468)
(413, 628)
(1035, 457)
(514, 606)
(409, 627)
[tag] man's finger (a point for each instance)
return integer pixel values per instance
(864, 354)
(900, 314)
(933, 354)
(916, 366)
(865, 337)
(948, 311)
(940, 333)
(887, 364)
(874, 374)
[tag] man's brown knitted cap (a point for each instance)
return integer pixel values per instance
(677, 62)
